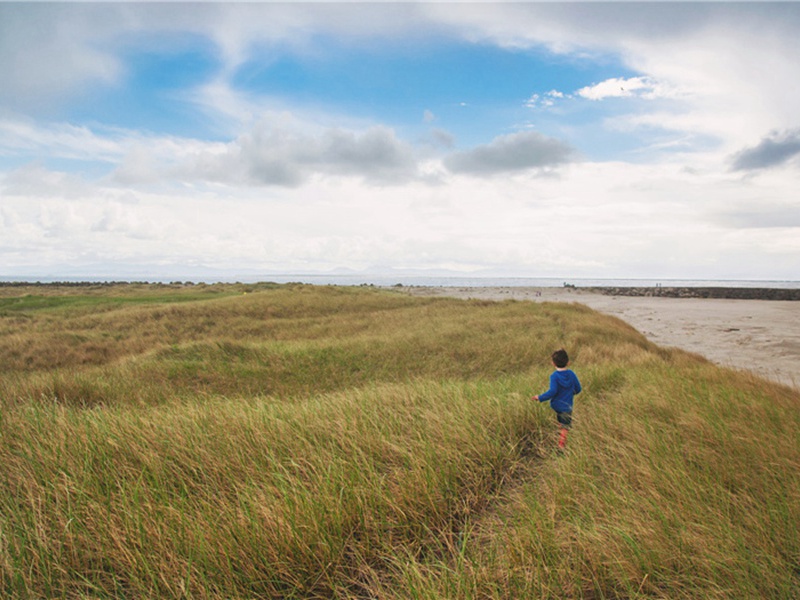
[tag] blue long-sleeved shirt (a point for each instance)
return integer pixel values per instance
(563, 387)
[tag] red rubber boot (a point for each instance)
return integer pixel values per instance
(562, 439)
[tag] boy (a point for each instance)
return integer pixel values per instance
(564, 385)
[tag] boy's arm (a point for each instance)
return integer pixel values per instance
(549, 393)
(578, 387)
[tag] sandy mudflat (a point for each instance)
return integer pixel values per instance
(758, 335)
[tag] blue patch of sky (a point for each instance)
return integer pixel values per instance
(152, 94)
(602, 130)
(587, 126)
(475, 91)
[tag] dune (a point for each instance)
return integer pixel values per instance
(762, 336)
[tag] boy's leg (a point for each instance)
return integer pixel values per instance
(562, 439)
(565, 422)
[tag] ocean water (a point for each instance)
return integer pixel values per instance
(384, 280)
(450, 281)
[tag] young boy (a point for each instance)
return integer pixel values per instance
(564, 385)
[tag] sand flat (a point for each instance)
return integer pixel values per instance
(762, 336)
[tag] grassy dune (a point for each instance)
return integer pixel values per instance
(300, 442)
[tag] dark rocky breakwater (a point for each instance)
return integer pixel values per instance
(701, 292)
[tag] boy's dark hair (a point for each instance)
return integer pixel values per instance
(560, 358)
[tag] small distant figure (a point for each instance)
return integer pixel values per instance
(564, 385)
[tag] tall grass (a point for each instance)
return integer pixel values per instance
(243, 498)
(302, 442)
(684, 482)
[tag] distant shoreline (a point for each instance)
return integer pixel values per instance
(397, 280)
(729, 293)
(649, 291)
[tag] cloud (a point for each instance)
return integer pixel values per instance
(622, 217)
(287, 155)
(24, 137)
(508, 153)
(45, 53)
(617, 87)
(377, 153)
(272, 156)
(443, 138)
(772, 151)
(780, 217)
(33, 180)
(299, 182)
(547, 100)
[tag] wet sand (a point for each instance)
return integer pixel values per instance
(762, 336)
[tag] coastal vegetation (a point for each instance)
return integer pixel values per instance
(292, 441)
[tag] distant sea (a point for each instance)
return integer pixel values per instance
(451, 281)
(433, 281)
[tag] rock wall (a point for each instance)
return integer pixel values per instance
(702, 292)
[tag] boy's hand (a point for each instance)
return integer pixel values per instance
(536, 397)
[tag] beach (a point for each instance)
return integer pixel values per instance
(762, 336)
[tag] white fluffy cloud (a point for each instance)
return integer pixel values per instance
(617, 87)
(546, 100)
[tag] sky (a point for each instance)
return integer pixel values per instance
(554, 139)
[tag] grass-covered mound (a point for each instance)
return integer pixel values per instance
(303, 442)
